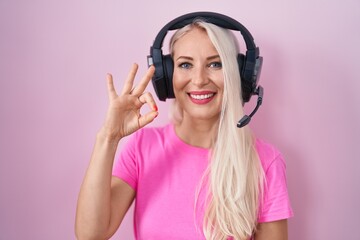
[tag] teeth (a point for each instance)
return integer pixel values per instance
(201, 97)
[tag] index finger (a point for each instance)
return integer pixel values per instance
(140, 88)
(130, 79)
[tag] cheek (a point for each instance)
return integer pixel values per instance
(219, 81)
(178, 80)
(175, 81)
(176, 84)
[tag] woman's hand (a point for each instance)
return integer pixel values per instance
(123, 116)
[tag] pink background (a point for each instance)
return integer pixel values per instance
(53, 59)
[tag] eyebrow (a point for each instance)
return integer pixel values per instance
(190, 58)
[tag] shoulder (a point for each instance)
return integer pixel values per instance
(152, 131)
(276, 203)
(268, 153)
(150, 135)
(142, 144)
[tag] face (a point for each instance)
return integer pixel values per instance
(198, 78)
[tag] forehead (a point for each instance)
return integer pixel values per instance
(194, 41)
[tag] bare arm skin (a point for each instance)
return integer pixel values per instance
(104, 200)
(276, 230)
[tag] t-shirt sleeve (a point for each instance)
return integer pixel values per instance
(276, 204)
(125, 166)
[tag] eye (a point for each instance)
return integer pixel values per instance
(215, 65)
(185, 65)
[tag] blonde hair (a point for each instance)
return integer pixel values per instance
(234, 178)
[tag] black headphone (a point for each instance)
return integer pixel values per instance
(249, 64)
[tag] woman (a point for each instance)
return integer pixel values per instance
(199, 177)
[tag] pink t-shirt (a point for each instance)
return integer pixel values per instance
(165, 173)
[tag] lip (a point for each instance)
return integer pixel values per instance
(201, 97)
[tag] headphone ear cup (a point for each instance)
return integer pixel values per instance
(158, 80)
(168, 66)
(246, 84)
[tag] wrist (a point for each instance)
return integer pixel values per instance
(108, 136)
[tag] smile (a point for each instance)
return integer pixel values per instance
(201, 97)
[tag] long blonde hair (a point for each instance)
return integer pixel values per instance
(234, 178)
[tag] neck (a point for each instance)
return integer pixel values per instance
(198, 133)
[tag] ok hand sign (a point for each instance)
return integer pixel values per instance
(123, 116)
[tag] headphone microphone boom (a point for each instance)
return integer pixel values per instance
(249, 64)
(246, 119)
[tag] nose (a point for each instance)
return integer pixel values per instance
(200, 77)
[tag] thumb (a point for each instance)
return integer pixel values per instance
(147, 118)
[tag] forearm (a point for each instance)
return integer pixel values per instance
(94, 203)
(96, 216)
(276, 230)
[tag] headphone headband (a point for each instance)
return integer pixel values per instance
(210, 17)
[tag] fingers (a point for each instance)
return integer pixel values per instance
(128, 86)
(110, 86)
(129, 82)
(139, 89)
(149, 100)
(147, 118)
